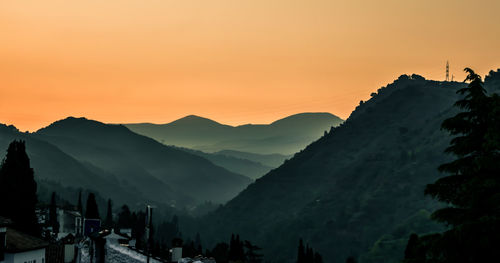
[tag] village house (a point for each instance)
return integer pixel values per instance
(18, 247)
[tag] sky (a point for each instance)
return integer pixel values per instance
(237, 62)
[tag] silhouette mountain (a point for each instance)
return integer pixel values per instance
(358, 190)
(285, 136)
(270, 160)
(54, 169)
(243, 166)
(162, 174)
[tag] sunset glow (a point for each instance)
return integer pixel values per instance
(232, 61)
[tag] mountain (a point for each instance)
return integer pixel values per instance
(246, 167)
(270, 160)
(285, 136)
(356, 191)
(55, 170)
(162, 174)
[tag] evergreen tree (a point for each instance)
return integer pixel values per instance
(139, 228)
(124, 218)
(318, 258)
(53, 214)
(79, 206)
(232, 248)
(18, 189)
(109, 216)
(197, 244)
(240, 252)
(309, 254)
(411, 247)
(301, 255)
(251, 255)
(91, 211)
(221, 253)
(472, 186)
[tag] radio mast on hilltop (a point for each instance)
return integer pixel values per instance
(447, 71)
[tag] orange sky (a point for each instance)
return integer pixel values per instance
(248, 61)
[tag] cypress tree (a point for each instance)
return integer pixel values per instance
(197, 244)
(109, 215)
(79, 206)
(53, 214)
(301, 256)
(318, 258)
(309, 254)
(411, 247)
(232, 248)
(240, 253)
(252, 256)
(18, 189)
(91, 211)
(124, 218)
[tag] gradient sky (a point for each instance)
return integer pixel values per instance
(233, 61)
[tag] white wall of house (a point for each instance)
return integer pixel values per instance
(176, 254)
(27, 256)
(69, 253)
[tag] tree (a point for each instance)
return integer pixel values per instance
(197, 244)
(236, 251)
(18, 189)
(139, 228)
(221, 253)
(411, 247)
(79, 206)
(53, 214)
(301, 254)
(108, 222)
(472, 185)
(124, 218)
(309, 254)
(232, 248)
(251, 254)
(91, 211)
(318, 258)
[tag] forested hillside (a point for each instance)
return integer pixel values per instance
(161, 173)
(358, 190)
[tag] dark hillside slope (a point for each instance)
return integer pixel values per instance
(246, 167)
(54, 167)
(271, 160)
(354, 185)
(164, 174)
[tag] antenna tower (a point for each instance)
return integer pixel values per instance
(447, 71)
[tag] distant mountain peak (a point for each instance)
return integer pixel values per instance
(194, 120)
(308, 116)
(77, 124)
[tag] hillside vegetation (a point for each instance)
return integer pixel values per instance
(358, 190)
(163, 174)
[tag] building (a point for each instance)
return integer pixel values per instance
(70, 222)
(17, 247)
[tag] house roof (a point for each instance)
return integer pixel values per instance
(5, 221)
(20, 242)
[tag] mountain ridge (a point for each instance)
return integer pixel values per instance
(285, 136)
(368, 172)
(118, 150)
